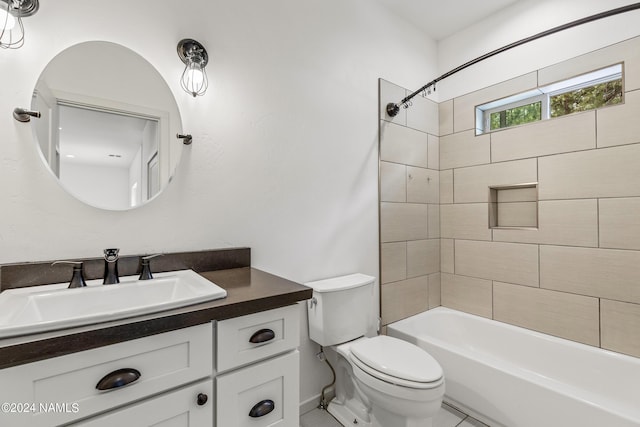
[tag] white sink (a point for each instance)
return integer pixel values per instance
(49, 307)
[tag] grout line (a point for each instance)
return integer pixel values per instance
(539, 269)
(493, 291)
(598, 223)
(454, 260)
(600, 322)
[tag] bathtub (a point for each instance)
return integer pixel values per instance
(513, 377)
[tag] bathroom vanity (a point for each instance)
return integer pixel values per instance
(228, 362)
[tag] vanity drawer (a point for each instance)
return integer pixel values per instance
(246, 339)
(164, 361)
(260, 395)
(186, 407)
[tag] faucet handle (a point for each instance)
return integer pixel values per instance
(77, 279)
(111, 255)
(145, 273)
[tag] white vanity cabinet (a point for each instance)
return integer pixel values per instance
(171, 371)
(170, 379)
(258, 369)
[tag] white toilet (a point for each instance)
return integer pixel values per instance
(380, 381)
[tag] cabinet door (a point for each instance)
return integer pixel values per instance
(260, 395)
(131, 370)
(192, 406)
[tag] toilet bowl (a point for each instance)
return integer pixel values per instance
(386, 382)
(380, 381)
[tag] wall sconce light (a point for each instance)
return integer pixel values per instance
(11, 14)
(194, 78)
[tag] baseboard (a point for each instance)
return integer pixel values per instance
(309, 404)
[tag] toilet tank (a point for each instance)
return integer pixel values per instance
(342, 308)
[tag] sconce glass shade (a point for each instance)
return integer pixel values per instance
(194, 79)
(7, 21)
(11, 14)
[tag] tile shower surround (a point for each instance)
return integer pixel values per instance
(409, 207)
(576, 276)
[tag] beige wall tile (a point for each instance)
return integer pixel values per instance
(464, 149)
(505, 262)
(620, 326)
(434, 290)
(467, 294)
(393, 261)
(393, 182)
(619, 124)
(446, 256)
(423, 257)
(605, 273)
(569, 316)
(472, 184)
(523, 194)
(434, 152)
(560, 135)
(620, 223)
(560, 222)
(607, 172)
(404, 299)
(423, 185)
(465, 221)
(446, 117)
(389, 92)
(464, 114)
(627, 51)
(517, 214)
(434, 221)
(399, 144)
(423, 115)
(403, 221)
(446, 186)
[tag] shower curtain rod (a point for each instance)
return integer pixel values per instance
(393, 109)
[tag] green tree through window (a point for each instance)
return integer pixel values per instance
(588, 98)
(516, 115)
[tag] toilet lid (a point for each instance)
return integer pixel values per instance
(397, 358)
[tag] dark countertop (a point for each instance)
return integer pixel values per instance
(248, 291)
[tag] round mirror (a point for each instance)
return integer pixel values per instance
(108, 126)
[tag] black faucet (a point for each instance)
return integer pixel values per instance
(77, 279)
(145, 273)
(111, 266)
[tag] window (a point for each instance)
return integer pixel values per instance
(589, 91)
(516, 115)
(587, 98)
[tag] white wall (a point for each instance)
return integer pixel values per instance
(523, 19)
(284, 158)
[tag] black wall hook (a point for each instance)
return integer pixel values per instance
(24, 116)
(186, 138)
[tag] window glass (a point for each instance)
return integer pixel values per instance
(587, 98)
(516, 116)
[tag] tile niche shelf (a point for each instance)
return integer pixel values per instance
(514, 206)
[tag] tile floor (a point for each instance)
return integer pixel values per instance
(447, 417)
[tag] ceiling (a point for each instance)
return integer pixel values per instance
(440, 19)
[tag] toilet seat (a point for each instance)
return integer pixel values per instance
(397, 362)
